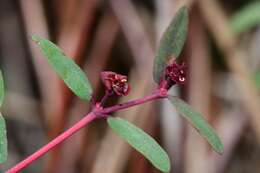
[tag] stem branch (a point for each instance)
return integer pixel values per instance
(156, 95)
(94, 114)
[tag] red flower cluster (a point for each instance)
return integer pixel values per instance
(176, 73)
(115, 84)
(173, 74)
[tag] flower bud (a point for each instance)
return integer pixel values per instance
(173, 74)
(176, 73)
(115, 84)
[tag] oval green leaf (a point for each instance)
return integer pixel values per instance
(1, 88)
(66, 68)
(3, 140)
(142, 142)
(198, 122)
(171, 43)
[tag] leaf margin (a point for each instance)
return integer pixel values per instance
(79, 72)
(2, 87)
(111, 122)
(212, 138)
(4, 143)
(3, 136)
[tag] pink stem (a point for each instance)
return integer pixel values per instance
(97, 112)
(83, 122)
(156, 95)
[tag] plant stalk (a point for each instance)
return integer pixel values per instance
(156, 95)
(98, 112)
(82, 123)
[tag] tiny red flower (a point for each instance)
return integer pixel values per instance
(115, 83)
(176, 73)
(173, 74)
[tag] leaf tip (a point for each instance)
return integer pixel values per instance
(167, 168)
(220, 149)
(217, 145)
(184, 12)
(184, 9)
(36, 38)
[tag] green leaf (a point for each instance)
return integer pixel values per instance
(142, 142)
(198, 122)
(1, 88)
(246, 18)
(3, 140)
(171, 43)
(66, 68)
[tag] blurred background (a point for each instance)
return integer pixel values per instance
(222, 52)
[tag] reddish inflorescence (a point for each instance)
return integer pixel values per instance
(115, 84)
(174, 74)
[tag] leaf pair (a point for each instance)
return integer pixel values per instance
(3, 137)
(170, 47)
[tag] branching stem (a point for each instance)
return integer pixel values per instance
(97, 112)
(156, 95)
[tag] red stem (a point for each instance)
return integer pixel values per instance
(96, 113)
(83, 122)
(156, 95)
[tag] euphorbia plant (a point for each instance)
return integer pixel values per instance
(167, 73)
